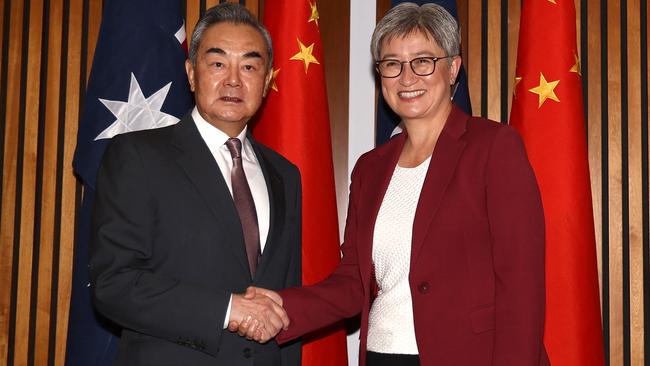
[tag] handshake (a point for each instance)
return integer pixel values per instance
(257, 314)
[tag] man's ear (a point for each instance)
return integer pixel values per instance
(189, 69)
(267, 82)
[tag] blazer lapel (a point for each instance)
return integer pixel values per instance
(277, 207)
(197, 162)
(377, 175)
(441, 170)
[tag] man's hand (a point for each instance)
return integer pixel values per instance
(257, 316)
(252, 291)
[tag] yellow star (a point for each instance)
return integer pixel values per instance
(576, 67)
(552, 2)
(305, 55)
(545, 90)
(314, 13)
(274, 76)
(514, 87)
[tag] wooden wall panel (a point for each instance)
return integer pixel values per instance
(47, 48)
(48, 125)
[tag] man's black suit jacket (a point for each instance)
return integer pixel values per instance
(167, 249)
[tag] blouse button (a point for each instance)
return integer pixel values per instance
(424, 287)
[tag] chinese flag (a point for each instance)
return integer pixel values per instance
(295, 122)
(547, 111)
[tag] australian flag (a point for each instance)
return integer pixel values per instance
(386, 119)
(137, 82)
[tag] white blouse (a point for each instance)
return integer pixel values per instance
(391, 328)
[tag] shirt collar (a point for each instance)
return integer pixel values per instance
(216, 139)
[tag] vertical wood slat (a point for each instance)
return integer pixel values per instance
(635, 184)
(192, 16)
(645, 178)
(5, 247)
(493, 59)
(514, 9)
(594, 123)
(473, 63)
(613, 85)
(462, 22)
(9, 251)
(61, 284)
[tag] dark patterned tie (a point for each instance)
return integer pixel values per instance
(243, 198)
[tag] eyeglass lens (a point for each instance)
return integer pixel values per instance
(421, 66)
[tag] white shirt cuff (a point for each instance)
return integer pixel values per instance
(225, 320)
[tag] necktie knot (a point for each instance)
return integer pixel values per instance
(234, 146)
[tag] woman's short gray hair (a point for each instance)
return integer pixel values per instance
(431, 19)
(231, 13)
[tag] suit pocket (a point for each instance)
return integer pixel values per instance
(483, 319)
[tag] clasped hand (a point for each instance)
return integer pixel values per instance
(257, 314)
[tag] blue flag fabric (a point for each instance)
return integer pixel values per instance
(137, 82)
(386, 119)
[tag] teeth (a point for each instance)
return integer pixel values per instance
(411, 94)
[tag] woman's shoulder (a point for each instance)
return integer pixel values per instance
(483, 128)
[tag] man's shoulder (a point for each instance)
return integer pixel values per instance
(156, 140)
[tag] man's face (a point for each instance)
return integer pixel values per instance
(231, 75)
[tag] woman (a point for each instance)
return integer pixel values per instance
(444, 243)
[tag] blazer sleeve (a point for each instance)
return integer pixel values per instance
(126, 286)
(517, 229)
(337, 297)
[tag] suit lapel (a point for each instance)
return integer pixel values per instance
(277, 207)
(441, 170)
(197, 162)
(378, 173)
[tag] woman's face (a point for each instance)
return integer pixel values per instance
(414, 97)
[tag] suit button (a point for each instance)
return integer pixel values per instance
(424, 287)
(247, 353)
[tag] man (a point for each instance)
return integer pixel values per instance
(188, 216)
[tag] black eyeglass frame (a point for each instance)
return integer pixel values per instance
(435, 60)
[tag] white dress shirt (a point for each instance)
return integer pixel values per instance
(216, 140)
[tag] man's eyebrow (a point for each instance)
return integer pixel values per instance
(215, 50)
(252, 54)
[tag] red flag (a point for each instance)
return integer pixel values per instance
(295, 122)
(547, 111)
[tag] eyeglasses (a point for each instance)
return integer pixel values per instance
(421, 66)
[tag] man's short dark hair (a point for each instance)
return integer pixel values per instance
(228, 13)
